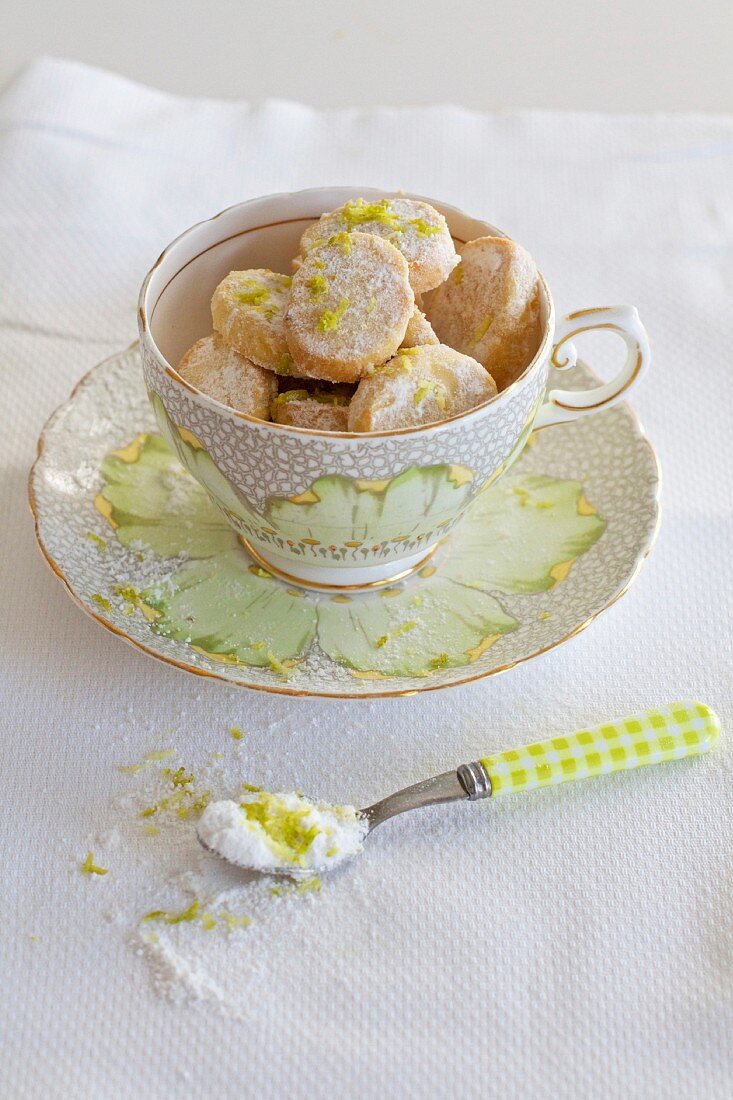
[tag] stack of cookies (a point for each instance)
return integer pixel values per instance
(383, 325)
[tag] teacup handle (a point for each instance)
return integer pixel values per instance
(563, 405)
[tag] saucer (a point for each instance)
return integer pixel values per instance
(141, 548)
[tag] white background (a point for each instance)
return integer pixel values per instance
(632, 55)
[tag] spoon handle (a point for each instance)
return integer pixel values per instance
(668, 733)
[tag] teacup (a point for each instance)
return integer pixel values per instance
(344, 510)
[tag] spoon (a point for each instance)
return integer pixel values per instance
(650, 737)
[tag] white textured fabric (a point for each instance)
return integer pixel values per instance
(572, 943)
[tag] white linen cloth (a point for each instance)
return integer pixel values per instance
(573, 943)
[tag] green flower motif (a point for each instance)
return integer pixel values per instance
(354, 511)
(220, 603)
(199, 462)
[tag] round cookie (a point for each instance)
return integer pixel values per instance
(490, 308)
(222, 373)
(419, 386)
(301, 409)
(416, 228)
(419, 331)
(248, 310)
(350, 302)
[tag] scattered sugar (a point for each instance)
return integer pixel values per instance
(208, 933)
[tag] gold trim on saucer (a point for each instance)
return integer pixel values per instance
(317, 586)
(281, 688)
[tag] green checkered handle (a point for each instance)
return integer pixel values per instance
(668, 733)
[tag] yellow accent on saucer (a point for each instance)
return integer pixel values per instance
(190, 438)
(459, 475)
(131, 452)
(104, 508)
(366, 486)
(560, 571)
(475, 653)
(308, 497)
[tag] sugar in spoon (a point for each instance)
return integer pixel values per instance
(289, 834)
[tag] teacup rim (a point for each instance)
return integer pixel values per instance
(146, 336)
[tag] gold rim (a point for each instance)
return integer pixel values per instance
(317, 586)
(281, 689)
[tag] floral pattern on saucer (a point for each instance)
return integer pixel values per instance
(144, 549)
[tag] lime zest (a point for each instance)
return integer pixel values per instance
(482, 329)
(342, 241)
(286, 831)
(285, 398)
(424, 229)
(98, 541)
(89, 867)
(427, 386)
(236, 733)
(102, 601)
(331, 318)
(317, 285)
(232, 920)
(358, 211)
(309, 885)
(440, 661)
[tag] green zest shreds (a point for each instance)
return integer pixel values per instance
(285, 831)
(482, 329)
(403, 628)
(186, 916)
(232, 921)
(285, 365)
(343, 241)
(440, 661)
(98, 541)
(426, 386)
(317, 285)
(89, 867)
(285, 399)
(330, 398)
(254, 295)
(371, 304)
(102, 601)
(331, 318)
(424, 229)
(358, 211)
(236, 733)
(184, 800)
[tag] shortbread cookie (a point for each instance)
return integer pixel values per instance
(222, 373)
(419, 386)
(419, 331)
(248, 309)
(416, 228)
(350, 302)
(301, 409)
(489, 308)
